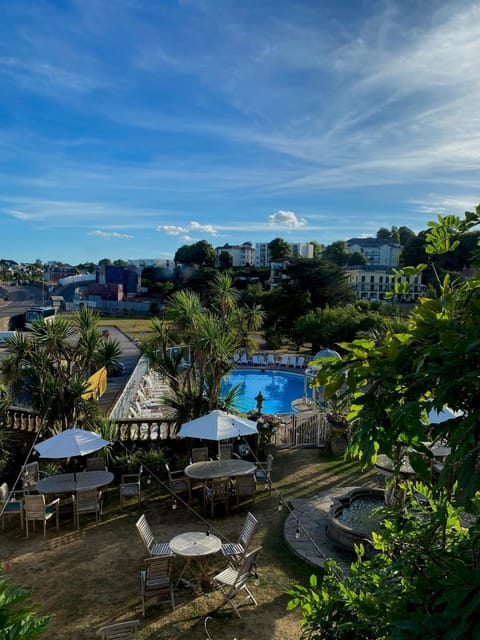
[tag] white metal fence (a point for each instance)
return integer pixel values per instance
(303, 430)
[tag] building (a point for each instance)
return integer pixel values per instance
(298, 249)
(128, 278)
(143, 263)
(242, 255)
(372, 283)
(107, 291)
(377, 251)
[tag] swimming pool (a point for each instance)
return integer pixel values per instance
(279, 388)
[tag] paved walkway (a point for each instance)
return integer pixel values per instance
(312, 516)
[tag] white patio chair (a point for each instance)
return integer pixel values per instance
(284, 361)
(292, 361)
(271, 359)
(235, 550)
(154, 548)
(255, 360)
(232, 581)
(300, 362)
(261, 360)
(244, 359)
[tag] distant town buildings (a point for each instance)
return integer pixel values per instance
(129, 278)
(298, 250)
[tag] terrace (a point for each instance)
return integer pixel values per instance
(90, 577)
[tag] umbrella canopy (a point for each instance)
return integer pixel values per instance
(435, 417)
(324, 353)
(71, 443)
(218, 425)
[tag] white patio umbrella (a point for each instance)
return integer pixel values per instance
(218, 425)
(71, 443)
(435, 417)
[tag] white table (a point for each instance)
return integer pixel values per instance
(386, 465)
(195, 547)
(70, 482)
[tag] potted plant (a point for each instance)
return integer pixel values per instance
(267, 426)
(340, 431)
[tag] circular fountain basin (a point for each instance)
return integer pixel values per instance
(352, 516)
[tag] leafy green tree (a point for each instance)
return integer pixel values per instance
(389, 234)
(356, 259)
(279, 249)
(405, 235)
(337, 252)
(225, 260)
(424, 577)
(17, 618)
(200, 253)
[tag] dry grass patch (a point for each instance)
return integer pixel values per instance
(90, 578)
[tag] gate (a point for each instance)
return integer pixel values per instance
(303, 430)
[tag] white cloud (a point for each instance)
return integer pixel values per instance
(174, 230)
(109, 234)
(186, 239)
(286, 219)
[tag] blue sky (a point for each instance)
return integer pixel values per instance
(130, 127)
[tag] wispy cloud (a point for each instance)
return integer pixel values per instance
(109, 234)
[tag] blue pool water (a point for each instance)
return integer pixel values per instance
(279, 388)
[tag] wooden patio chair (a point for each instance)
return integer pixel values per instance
(120, 631)
(245, 489)
(154, 548)
(233, 580)
(179, 483)
(199, 454)
(87, 501)
(264, 472)
(236, 550)
(225, 451)
(130, 488)
(30, 475)
(35, 509)
(219, 491)
(156, 580)
(96, 463)
(10, 506)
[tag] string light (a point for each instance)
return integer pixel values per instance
(174, 504)
(256, 580)
(297, 531)
(280, 504)
(208, 530)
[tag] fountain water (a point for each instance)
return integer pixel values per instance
(352, 516)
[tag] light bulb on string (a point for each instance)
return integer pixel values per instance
(280, 504)
(207, 533)
(297, 531)
(256, 580)
(174, 504)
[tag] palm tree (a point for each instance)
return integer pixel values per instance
(213, 333)
(50, 367)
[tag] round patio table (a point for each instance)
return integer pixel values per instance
(195, 547)
(386, 465)
(70, 482)
(210, 469)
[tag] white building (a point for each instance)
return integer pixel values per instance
(242, 254)
(298, 249)
(377, 251)
(372, 283)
